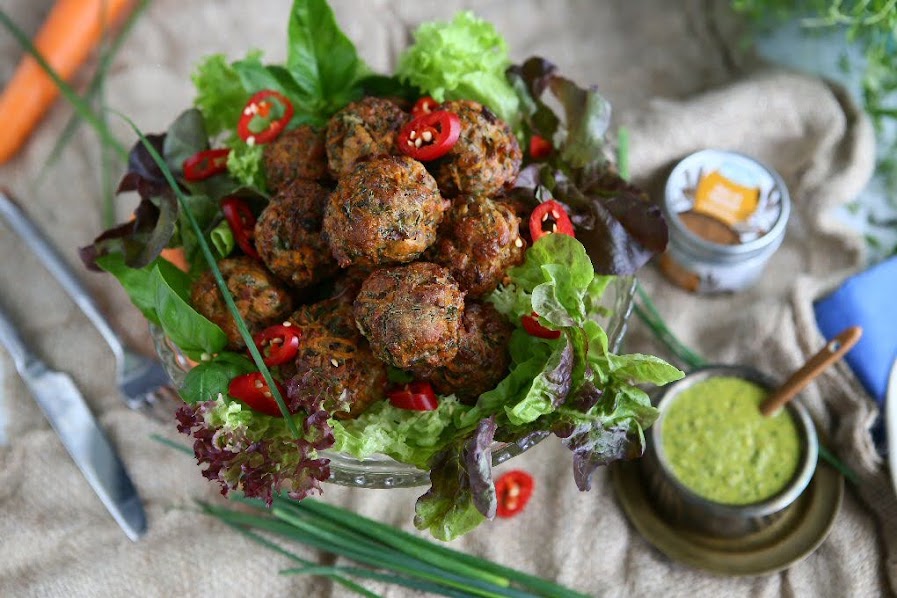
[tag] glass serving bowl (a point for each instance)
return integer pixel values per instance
(380, 471)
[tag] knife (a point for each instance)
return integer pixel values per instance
(64, 407)
(891, 422)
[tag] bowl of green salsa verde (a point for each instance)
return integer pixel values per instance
(718, 466)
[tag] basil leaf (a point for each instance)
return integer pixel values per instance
(187, 328)
(208, 379)
(138, 283)
(320, 57)
(185, 137)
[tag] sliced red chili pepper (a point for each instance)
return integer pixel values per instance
(534, 328)
(205, 164)
(264, 117)
(425, 105)
(278, 344)
(430, 136)
(417, 396)
(549, 217)
(253, 390)
(539, 147)
(242, 223)
(513, 491)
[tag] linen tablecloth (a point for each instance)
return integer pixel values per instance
(678, 79)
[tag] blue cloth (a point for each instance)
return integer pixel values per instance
(869, 300)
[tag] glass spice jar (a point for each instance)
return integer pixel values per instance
(727, 214)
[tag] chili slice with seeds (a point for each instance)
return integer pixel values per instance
(252, 389)
(430, 136)
(278, 344)
(424, 105)
(205, 164)
(242, 223)
(534, 328)
(513, 491)
(416, 396)
(264, 117)
(549, 217)
(539, 147)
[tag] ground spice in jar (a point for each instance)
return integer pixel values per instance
(727, 215)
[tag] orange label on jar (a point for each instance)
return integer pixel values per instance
(724, 199)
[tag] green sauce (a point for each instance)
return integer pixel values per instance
(722, 448)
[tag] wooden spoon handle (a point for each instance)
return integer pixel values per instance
(829, 354)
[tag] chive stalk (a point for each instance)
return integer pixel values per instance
(96, 82)
(219, 279)
(426, 550)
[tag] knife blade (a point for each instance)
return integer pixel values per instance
(64, 407)
(891, 422)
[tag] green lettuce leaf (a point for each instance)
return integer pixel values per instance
(408, 436)
(463, 59)
(553, 281)
(244, 163)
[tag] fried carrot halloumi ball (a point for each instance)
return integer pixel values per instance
(411, 314)
(482, 359)
(260, 297)
(296, 154)
(486, 157)
(386, 211)
(335, 360)
(479, 239)
(362, 129)
(288, 235)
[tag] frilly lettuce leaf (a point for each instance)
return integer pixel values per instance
(244, 163)
(463, 59)
(255, 453)
(220, 94)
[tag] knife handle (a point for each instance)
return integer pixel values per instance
(38, 242)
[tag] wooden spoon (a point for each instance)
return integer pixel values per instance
(829, 354)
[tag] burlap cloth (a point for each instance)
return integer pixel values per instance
(675, 78)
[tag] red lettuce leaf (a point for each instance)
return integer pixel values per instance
(462, 493)
(620, 227)
(142, 239)
(259, 466)
(594, 445)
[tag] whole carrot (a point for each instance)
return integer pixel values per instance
(71, 31)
